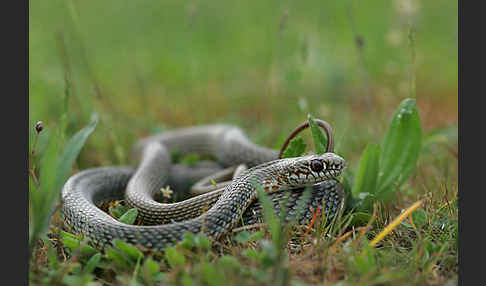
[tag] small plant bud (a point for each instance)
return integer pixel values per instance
(39, 126)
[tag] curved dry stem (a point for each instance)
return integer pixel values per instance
(323, 124)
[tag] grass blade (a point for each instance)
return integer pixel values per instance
(54, 174)
(71, 152)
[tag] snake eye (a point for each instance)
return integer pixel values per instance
(316, 165)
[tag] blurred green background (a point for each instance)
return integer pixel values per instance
(145, 66)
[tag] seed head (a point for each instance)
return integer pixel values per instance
(39, 126)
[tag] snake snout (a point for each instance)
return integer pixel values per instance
(335, 161)
(334, 164)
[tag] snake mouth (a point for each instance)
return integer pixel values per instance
(332, 173)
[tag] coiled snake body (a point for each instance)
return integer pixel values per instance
(214, 213)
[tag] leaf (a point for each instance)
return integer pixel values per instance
(150, 267)
(252, 254)
(42, 197)
(187, 281)
(400, 150)
(92, 263)
(73, 243)
(117, 257)
(68, 235)
(190, 159)
(243, 237)
(202, 241)
(256, 235)
(295, 149)
(115, 211)
(347, 179)
(71, 152)
(419, 217)
(360, 218)
(52, 255)
(229, 262)
(174, 258)
(159, 276)
(130, 250)
(368, 170)
(53, 175)
(320, 141)
(129, 217)
(188, 241)
(211, 275)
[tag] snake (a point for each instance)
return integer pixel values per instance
(214, 213)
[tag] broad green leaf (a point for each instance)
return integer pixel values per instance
(188, 241)
(68, 235)
(202, 241)
(150, 267)
(117, 257)
(400, 150)
(129, 250)
(295, 149)
(74, 243)
(71, 243)
(360, 218)
(252, 254)
(320, 141)
(174, 258)
(129, 217)
(76, 268)
(368, 170)
(115, 211)
(210, 274)
(243, 237)
(92, 263)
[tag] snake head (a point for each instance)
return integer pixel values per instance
(312, 169)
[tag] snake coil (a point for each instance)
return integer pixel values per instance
(214, 212)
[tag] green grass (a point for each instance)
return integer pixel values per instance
(145, 67)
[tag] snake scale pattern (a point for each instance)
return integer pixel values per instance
(215, 212)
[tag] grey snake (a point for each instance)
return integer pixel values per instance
(215, 212)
